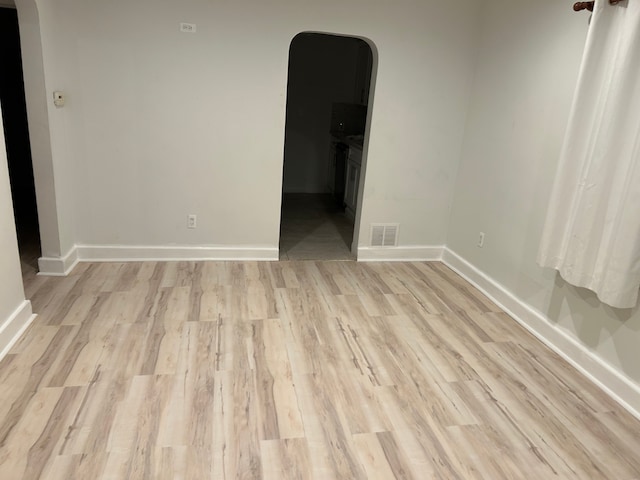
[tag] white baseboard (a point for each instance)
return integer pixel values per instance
(400, 254)
(14, 326)
(58, 266)
(622, 389)
(128, 253)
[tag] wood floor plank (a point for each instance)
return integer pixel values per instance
(372, 457)
(236, 429)
(40, 453)
(15, 451)
(296, 369)
(330, 441)
(286, 459)
(275, 358)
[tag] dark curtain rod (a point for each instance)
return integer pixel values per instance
(589, 5)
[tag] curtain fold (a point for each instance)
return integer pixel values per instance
(592, 230)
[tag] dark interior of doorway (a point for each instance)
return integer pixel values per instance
(327, 101)
(16, 133)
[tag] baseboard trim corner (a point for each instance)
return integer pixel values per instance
(58, 266)
(423, 253)
(621, 389)
(14, 326)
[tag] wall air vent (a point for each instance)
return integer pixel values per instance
(384, 234)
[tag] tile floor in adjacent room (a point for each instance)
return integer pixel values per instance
(314, 227)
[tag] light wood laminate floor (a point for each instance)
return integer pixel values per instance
(294, 370)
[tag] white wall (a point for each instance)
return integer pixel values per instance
(160, 124)
(426, 60)
(322, 70)
(529, 56)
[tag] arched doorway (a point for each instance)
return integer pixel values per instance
(326, 132)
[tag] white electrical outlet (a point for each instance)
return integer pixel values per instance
(58, 98)
(192, 221)
(188, 27)
(481, 240)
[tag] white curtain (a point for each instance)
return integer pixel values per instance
(592, 230)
